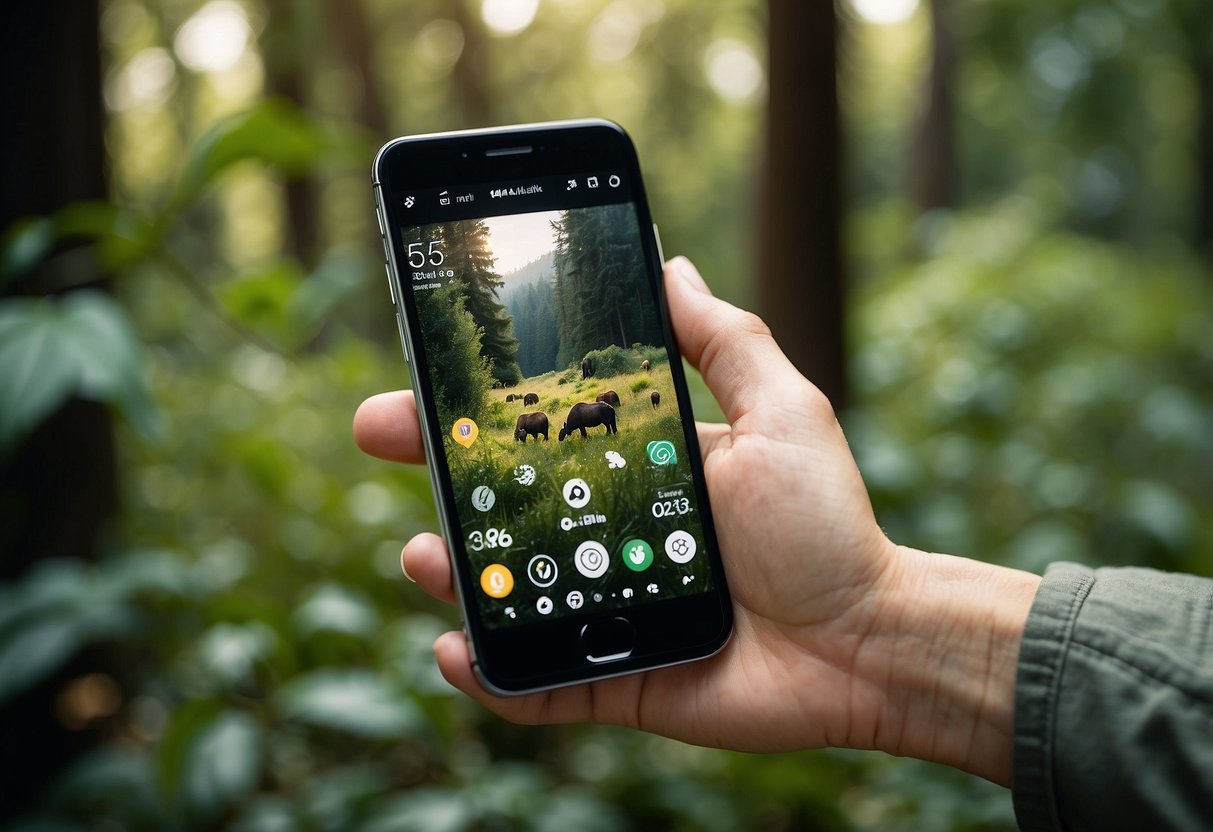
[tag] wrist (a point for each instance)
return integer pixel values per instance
(941, 654)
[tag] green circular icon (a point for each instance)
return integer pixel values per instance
(637, 554)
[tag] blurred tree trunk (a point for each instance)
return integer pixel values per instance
(352, 33)
(58, 489)
(471, 70)
(52, 155)
(286, 46)
(800, 272)
(931, 169)
(1203, 33)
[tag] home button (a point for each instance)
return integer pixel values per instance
(608, 640)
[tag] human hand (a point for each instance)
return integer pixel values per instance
(835, 628)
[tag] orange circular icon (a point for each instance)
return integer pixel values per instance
(496, 581)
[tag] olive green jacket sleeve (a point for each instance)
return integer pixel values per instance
(1114, 702)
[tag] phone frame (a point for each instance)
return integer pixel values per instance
(528, 657)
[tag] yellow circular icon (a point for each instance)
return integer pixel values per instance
(496, 581)
(464, 431)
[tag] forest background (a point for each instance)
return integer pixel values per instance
(984, 228)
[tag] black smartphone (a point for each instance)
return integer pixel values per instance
(526, 275)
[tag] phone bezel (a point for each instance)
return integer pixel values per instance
(530, 657)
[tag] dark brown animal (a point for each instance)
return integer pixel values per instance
(588, 415)
(655, 398)
(587, 367)
(531, 424)
(644, 365)
(530, 398)
(610, 397)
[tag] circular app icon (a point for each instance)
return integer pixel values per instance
(637, 555)
(483, 498)
(575, 600)
(576, 492)
(680, 546)
(542, 571)
(544, 605)
(496, 581)
(591, 559)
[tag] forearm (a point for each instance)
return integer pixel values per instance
(942, 655)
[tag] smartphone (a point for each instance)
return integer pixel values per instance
(525, 272)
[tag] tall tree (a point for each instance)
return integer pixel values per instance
(932, 164)
(59, 487)
(466, 249)
(800, 273)
(287, 44)
(599, 293)
(458, 370)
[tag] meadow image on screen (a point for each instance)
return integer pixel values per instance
(547, 362)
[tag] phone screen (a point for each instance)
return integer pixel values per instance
(549, 372)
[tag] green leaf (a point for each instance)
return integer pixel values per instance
(274, 132)
(354, 701)
(26, 244)
(335, 608)
(81, 344)
(341, 273)
(35, 651)
(36, 371)
(424, 810)
(223, 764)
(209, 759)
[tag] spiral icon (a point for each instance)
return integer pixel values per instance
(661, 452)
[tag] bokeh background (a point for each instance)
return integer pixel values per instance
(984, 227)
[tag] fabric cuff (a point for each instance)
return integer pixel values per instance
(1042, 653)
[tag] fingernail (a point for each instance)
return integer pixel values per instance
(690, 274)
(404, 568)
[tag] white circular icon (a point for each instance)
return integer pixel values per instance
(483, 498)
(591, 559)
(524, 474)
(613, 181)
(576, 492)
(680, 546)
(542, 571)
(544, 605)
(574, 599)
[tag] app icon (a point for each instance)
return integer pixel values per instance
(544, 605)
(615, 459)
(542, 571)
(597, 597)
(483, 498)
(592, 181)
(524, 474)
(686, 579)
(627, 592)
(575, 600)
(572, 184)
(509, 613)
(465, 432)
(637, 555)
(680, 546)
(409, 202)
(613, 181)
(661, 452)
(576, 493)
(591, 559)
(496, 581)
(652, 589)
(444, 198)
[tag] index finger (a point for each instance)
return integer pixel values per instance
(386, 426)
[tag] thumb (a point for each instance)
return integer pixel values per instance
(732, 348)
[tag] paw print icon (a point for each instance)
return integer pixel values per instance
(680, 546)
